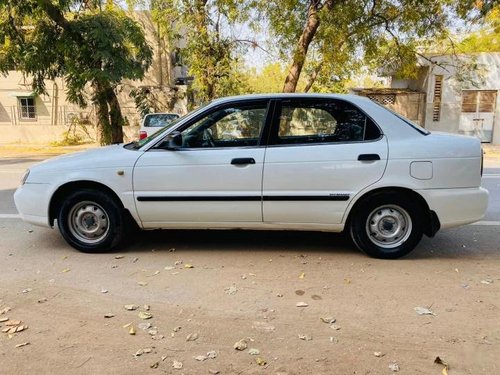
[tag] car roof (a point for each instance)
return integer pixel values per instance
(348, 97)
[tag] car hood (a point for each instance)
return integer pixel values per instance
(102, 157)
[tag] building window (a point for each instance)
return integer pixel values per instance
(436, 103)
(475, 101)
(27, 109)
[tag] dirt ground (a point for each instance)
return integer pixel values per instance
(246, 285)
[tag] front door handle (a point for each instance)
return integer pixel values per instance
(242, 161)
(368, 157)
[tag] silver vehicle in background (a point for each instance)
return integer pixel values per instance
(153, 122)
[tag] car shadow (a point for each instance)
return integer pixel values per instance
(464, 242)
(239, 240)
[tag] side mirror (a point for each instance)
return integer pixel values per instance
(174, 141)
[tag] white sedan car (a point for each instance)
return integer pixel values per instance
(286, 161)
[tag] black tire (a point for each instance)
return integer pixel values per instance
(91, 221)
(378, 220)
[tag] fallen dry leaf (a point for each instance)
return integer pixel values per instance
(5, 310)
(145, 315)
(131, 330)
(302, 275)
(65, 270)
(423, 311)
(142, 283)
(192, 337)
(328, 320)
(177, 365)
(240, 345)
(260, 361)
(13, 322)
(446, 367)
(187, 265)
(394, 367)
(301, 304)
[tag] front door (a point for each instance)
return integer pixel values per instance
(215, 176)
(321, 154)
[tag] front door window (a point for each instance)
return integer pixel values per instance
(234, 126)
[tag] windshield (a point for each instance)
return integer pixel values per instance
(135, 145)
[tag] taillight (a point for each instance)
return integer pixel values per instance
(143, 134)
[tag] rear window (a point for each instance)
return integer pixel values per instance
(159, 119)
(405, 120)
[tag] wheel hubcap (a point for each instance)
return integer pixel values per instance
(388, 226)
(88, 222)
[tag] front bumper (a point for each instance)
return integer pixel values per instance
(455, 207)
(32, 203)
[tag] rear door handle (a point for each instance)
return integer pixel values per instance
(241, 161)
(368, 157)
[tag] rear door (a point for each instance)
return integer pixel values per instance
(321, 153)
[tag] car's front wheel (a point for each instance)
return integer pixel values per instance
(91, 221)
(387, 226)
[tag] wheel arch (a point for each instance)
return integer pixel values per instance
(65, 189)
(431, 220)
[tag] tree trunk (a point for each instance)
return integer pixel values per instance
(313, 76)
(115, 115)
(104, 124)
(109, 114)
(299, 56)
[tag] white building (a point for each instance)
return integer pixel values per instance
(460, 98)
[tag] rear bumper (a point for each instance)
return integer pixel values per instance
(455, 207)
(32, 203)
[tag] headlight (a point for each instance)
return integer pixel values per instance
(25, 176)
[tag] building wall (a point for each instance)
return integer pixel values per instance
(486, 77)
(54, 113)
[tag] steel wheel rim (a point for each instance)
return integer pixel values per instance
(88, 222)
(389, 226)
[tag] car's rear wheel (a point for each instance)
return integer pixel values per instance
(387, 225)
(91, 221)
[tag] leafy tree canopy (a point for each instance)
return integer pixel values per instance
(91, 45)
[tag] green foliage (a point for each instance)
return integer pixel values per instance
(211, 51)
(486, 39)
(353, 34)
(94, 48)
